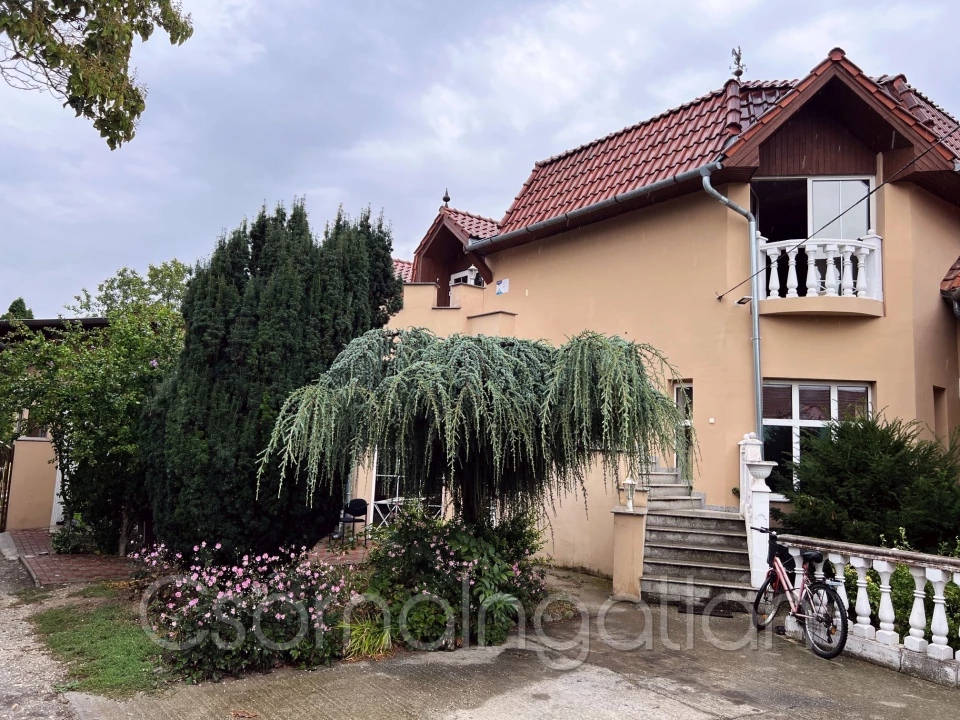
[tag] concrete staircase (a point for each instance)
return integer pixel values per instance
(692, 554)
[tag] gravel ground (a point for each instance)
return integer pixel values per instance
(27, 674)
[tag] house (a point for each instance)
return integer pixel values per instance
(829, 308)
(29, 476)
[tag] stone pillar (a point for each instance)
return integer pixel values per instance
(755, 503)
(629, 534)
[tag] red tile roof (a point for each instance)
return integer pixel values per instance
(475, 226)
(951, 283)
(403, 268)
(692, 135)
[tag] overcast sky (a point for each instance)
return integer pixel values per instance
(388, 103)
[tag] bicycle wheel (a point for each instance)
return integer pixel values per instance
(825, 624)
(767, 603)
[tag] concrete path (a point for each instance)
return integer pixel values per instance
(693, 671)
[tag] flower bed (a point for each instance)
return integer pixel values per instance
(427, 584)
(263, 611)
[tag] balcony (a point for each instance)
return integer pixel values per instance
(822, 276)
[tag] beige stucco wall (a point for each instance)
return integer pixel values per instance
(936, 239)
(32, 485)
(652, 275)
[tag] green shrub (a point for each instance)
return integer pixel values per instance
(867, 478)
(73, 539)
(430, 563)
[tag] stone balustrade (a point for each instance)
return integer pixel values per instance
(919, 652)
(829, 268)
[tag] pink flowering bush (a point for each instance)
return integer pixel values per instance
(434, 566)
(262, 611)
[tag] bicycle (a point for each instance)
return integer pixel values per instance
(815, 605)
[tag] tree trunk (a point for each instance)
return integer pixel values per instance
(124, 531)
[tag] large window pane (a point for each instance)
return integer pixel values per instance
(854, 224)
(826, 206)
(684, 399)
(851, 402)
(778, 447)
(814, 402)
(778, 402)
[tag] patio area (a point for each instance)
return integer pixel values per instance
(48, 568)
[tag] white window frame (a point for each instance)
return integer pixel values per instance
(871, 206)
(677, 387)
(796, 423)
(810, 179)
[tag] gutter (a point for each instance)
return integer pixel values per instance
(754, 291)
(694, 174)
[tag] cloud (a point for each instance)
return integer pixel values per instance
(389, 103)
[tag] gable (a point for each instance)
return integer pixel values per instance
(814, 142)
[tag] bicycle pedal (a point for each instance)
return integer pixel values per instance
(780, 630)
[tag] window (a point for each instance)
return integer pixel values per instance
(467, 277)
(793, 411)
(789, 210)
(795, 208)
(683, 396)
(26, 428)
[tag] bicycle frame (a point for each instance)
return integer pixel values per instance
(783, 577)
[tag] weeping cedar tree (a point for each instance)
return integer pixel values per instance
(266, 314)
(498, 422)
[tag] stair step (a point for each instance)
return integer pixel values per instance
(666, 478)
(675, 502)
(694, 519)
(707, 554)
(694, 570)
(738, 595)
(658, 490)
(701, 538)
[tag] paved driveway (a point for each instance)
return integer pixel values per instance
(692, 671)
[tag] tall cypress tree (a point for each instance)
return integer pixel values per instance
(266, 314)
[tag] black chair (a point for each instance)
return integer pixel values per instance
(355, 512)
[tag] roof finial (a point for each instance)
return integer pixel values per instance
(446, 198)
(738, 67)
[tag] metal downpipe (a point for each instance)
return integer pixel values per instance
(754, 292)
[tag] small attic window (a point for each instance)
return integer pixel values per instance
(470, 276)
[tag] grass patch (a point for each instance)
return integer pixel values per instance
(107, 651)
(98, 590)
(31, 595)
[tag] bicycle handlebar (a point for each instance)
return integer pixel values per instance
(764, 530)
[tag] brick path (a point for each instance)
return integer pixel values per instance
(48, 568)
(336, 555)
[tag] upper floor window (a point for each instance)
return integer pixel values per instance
(797, 208)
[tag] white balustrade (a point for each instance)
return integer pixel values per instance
(834, 267)
(886, 634)
(923, 652)
(918, 615)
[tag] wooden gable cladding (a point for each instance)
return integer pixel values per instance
(814, 143)
(441, 254)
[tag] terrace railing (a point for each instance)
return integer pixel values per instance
(923, 650)
(822, 267)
